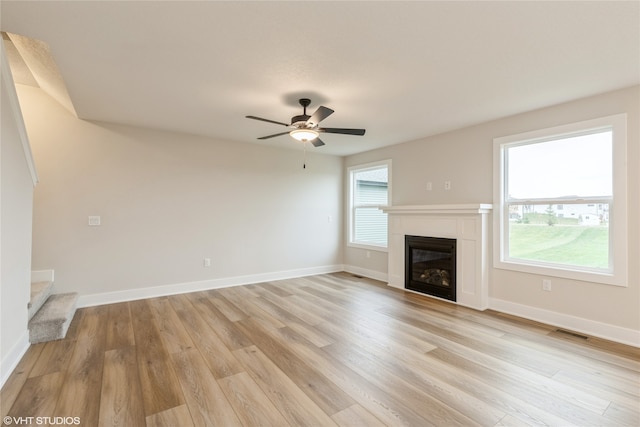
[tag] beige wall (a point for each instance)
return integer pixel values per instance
(16, 204)
(168, 200)
(465, 158)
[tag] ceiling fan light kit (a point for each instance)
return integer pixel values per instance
(305, 127)
(304, 135)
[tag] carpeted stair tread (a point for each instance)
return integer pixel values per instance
(53, 319)
(40, 291)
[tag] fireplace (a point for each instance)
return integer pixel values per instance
(430, 266)
(468, 224)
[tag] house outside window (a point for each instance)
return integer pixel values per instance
(369, 188)
(561, 194)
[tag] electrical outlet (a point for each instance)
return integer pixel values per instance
(94, 221)
(206, 262)
(546, 285)
(429, 186)
(447, 185)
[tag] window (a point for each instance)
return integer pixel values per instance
(561, 194)
(369, 188)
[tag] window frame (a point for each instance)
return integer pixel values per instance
(351, 171)
(618, 247)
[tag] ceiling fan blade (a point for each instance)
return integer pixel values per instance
(317, 142)
(273, 136)
(266, 120)
(320, 114)
(342, 131)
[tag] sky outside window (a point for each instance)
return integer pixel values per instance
(575, 166)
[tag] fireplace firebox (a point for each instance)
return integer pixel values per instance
(430, 266)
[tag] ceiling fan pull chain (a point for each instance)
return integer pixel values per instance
(304, 162)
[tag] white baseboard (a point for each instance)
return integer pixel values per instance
(203, 285)
(371, 274)
(42, 276)
(13, 357)
(566, 321)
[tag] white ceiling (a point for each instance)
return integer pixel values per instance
(402, 70)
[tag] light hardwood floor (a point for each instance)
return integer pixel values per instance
(317, 351)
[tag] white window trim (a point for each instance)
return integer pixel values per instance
(618, 208)
(350, 207)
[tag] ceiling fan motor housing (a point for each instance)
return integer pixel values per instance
(300, 120)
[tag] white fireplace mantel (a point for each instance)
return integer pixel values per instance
(467, 223)
(471, 208)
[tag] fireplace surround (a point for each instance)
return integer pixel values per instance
(467, 224)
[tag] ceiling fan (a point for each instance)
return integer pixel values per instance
(305, 127)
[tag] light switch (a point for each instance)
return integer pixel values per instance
(94, 221)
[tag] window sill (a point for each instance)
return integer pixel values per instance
(368, 247)
(604, 278)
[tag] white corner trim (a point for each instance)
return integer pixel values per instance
(11, 360)
(8, 83)
(371, 274)
(590, 327)
(202, 285)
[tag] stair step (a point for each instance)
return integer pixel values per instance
(52, 321)
(40, 291)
